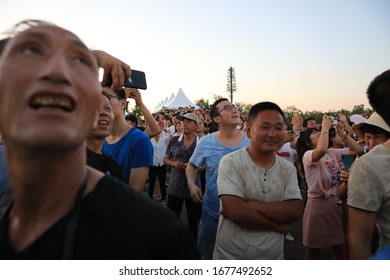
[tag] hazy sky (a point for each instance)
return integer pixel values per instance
(316, 55)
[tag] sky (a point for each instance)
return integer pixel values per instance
(314, 55)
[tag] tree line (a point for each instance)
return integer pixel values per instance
(291, 110)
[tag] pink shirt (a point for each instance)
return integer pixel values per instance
(322, 177)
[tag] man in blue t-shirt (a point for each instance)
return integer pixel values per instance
(4, 180)
(128, 146)
(208, 152)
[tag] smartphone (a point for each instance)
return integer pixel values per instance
(347, 161)
(137, 80)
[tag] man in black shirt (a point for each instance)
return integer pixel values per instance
(58, 207)
(95, 157)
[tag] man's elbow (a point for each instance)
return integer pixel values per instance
(233, 216)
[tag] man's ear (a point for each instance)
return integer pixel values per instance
(216, 119)
(123, 103)
(248, 130)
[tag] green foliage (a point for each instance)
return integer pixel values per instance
(203, 103)
(317, 115)
(137, 112)
(290, 111)
(243, 107)
(216, 97)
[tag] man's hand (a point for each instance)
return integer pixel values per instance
(288, 136)
(134, 94)
(196, 194)
(344, 175)
(114, 67)
(179, 165)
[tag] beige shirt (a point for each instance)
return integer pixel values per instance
(239, 176)
(369, 187)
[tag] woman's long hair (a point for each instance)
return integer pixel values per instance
(303, 145)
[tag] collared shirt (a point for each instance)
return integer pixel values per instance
(177, 151)
(159, 149)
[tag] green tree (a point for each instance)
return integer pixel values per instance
(317, 115)
(137, 112)
(358, 109)
(203, 103)
(290, 111)
(216, 97)
(243, 107)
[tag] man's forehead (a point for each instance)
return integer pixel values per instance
(223, 104)
(108, 90)
(105, 98)
(46, 31)
(270, 116)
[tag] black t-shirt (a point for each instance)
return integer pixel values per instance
(103, 163)
(115, 222)
(212, 127)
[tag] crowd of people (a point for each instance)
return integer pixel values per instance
(78, 176)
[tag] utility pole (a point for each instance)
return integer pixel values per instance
(231, 85)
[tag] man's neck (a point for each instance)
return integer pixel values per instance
(95, 145)
(44, 187)
(228, 132)
(41, 175)
(119, 129)
(264, 160)
(189, 136)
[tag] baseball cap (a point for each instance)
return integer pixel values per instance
(190, 116)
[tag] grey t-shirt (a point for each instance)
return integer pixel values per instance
(176, 151)
(239, 176)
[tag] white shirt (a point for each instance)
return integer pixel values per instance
(159, 149)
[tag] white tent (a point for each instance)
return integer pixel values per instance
(160, 105)
(170, 99)
(180, 100)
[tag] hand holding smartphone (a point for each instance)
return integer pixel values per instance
(136, 80)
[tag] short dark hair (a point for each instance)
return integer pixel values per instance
(373, 129)
(214, 109)
(262, 106)
(120, 93)
(378, 93)
(305, 121)
(106, 95)
(132, 117)
(19, 28)
(3, 43)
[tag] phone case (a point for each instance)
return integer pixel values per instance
(137, 80)
(347, 161)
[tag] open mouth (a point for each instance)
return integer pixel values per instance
(105, 123)
(52, 101)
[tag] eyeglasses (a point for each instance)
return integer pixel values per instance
(111, 96)
(228, 108)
